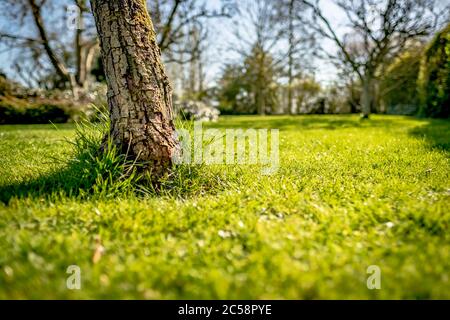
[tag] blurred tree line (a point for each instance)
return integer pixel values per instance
(392, 56)
(390, 60)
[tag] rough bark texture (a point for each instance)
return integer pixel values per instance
(139, 93)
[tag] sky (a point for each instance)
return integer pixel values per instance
(220, 52)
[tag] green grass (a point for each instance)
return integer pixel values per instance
(349, 194)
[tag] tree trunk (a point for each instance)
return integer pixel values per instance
(366, 97)
(139, 92)
(84, 50)
(260, 97)
(201, 75)
(260, 87)
(60, 68)
(79, 53)
(291, 57)
(192, 78)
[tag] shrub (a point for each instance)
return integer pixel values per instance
(5, 85)
(398, 86)
(196, 110)
(434, 78)
(20, 111)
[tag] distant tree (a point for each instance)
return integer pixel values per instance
(50, 54)
(300, 44)
(378, 31)
(398, 86)
(307, 90)
(180, 26)
(249, 86)
(233, 91)
(43, 40)
(434, 79)
(261, 74)
(257, 36)
(139, 92)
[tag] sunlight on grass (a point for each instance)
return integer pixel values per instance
(349, 194)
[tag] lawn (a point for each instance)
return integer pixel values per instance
(348, 195)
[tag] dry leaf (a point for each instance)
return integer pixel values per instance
(99, 250)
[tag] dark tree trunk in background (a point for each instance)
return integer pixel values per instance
(139, 92)
(261, 85)
(291, 58)
(366, 96)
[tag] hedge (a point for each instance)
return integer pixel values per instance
(434, 77)
(20, 111)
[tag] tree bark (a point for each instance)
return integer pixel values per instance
(139, 92)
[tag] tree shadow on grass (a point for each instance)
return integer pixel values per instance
(67, 182)
(95, 181)
(88, 174)
(436, 132)
(86, 178)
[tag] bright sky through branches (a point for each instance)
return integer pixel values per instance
(218, 50)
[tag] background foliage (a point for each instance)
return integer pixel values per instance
(434, 81)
